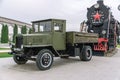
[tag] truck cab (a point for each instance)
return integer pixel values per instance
(50, 32)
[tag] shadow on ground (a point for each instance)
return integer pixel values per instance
(31, 65)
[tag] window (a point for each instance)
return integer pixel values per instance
(42, 26)
(36, 27)
(57, 27)
(45, 27)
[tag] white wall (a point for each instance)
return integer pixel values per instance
(10, 28)
(0, 28)
(19, 30)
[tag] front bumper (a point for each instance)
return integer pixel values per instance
(15, 50)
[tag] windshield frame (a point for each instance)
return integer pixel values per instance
(45, 26)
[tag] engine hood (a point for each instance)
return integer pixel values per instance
(31, 40)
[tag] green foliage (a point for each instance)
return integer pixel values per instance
(30, 31)
(24, 30)
(15, 32)
(4, 34)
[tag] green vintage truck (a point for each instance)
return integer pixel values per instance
(49, 39)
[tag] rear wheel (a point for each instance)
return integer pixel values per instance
(44, 59)
(19, 59)
(86, 53)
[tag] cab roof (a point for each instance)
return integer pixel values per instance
(48, 20)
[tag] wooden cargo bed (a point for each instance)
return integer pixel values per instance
(78, 37)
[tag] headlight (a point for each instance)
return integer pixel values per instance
(104, 32)
(91, 31)
(11, 45)
(96, 6)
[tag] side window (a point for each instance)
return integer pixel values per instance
(36, 27)
(41, 28)
(58, 27)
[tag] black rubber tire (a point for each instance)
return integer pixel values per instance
(86, 53)
(41, 58)
(19, 60)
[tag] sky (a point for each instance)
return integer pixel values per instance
(74, 11)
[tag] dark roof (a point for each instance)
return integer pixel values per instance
(48, 20)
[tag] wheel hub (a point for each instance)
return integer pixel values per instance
(46, 59)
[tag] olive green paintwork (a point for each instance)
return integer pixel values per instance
(77, 37)
(34, 40)
(56, 39)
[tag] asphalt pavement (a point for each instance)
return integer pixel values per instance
(99, 68)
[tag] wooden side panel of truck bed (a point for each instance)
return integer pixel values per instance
(78, 37)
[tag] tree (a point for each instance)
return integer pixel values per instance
(24, 30)
(15, 32)
(30, 31)
(4, 34)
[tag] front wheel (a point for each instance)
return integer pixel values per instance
(44, 59)
(19, 59)
(86, 53)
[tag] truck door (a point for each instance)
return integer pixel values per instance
(59, 36)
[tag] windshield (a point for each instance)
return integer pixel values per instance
(42, 26)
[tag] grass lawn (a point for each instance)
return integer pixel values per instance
(4, 55)
(4, 48)
(118, 46)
